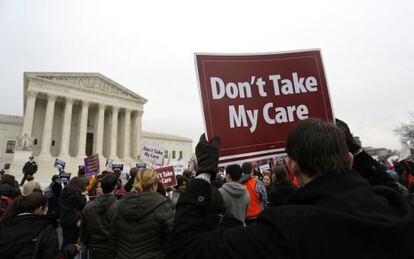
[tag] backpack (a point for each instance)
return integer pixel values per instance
(5, 202)
(49, 193)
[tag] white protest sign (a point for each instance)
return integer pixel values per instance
(153, 153)
(109, 164)
(264, 168)
(179, 166)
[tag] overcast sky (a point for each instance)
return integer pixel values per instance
(367, 48)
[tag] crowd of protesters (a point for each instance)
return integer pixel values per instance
(328, 199)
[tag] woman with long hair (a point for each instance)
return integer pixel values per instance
(282, 188)
(25, 232)
(71, 204)
(141, 220)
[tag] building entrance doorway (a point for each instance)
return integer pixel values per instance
(89, 144)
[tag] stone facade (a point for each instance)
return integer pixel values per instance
(73, 115)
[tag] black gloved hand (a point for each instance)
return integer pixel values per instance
(207, 154)
(350, 141)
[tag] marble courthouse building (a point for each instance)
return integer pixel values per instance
(73, 115)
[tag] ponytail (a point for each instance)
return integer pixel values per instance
(144, 179)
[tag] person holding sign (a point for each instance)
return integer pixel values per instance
(335, 214)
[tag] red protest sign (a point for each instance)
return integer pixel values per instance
(252, 101)
(166, 176)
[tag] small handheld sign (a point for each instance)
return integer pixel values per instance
(119, 167)
(264, 168)
(166, 176)
(59, 164)
(64, 177)
(92, 165)
(108, 164)
(141, 165)
(179, 167)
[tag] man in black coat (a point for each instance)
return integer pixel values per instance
(335, 214)
(20, 236)
(95, 221)
(29, 168)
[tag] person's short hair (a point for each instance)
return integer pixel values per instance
(318, 147)
(247, 168)
(25, 204)
(105, 172)
(234, 171)
(76, 183)
(108, 183)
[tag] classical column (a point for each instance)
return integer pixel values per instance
(127, 133)
(83, 127)
(29, 114)
(67, 122)
(99, 130)
(114, 132)
(136, 134)
(48, 125)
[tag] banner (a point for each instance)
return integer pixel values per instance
(253, 101)
(166, 176)
(153, 153)
(92, 165)
(59, 164)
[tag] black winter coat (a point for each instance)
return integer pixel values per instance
(141, 225)
(95, 225)
(281, 192)
(10, 191)
(334, 216)
(371, 170)
(30, 168)
(71, 204)
(18, 238)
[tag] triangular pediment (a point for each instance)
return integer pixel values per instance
(91, 81)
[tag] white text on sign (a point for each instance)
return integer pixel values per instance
(239, 116)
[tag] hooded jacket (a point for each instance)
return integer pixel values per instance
(236, 200)
(71, 204)
(9, 190)
(95, 225)
(30, 167)
(281, 192)
(18, 237)
(141, 223)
